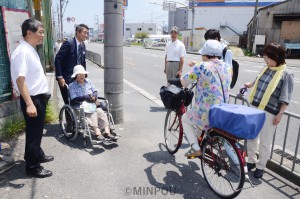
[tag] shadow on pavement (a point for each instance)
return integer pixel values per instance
(53, 130)
(16, 178)
(187, 182)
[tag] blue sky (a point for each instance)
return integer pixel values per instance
(137, 11)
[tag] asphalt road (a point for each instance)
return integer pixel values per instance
(144, 68)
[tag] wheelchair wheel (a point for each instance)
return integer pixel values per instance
(68, 122)
(222, 166)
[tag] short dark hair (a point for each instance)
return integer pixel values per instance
(31, 25)
(212, 34)
(275, 52)
(212, 57)
(80, 27)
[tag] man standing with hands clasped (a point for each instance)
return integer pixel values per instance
(70, 54)
(175, 52)
(30, 81)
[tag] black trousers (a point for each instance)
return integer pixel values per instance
(64, 93)
(34, 131)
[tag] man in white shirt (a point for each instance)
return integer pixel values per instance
(30, 81)
(175, 53)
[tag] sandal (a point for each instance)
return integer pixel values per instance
(192, 153)
(109, 136)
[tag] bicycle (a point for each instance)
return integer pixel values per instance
(223, 161)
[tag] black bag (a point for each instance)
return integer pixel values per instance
(172, 96)
(235, 69)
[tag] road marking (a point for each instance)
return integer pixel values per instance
(252, 71)
(144, 93)
(129, 63)
(128, 58)
(295, 102)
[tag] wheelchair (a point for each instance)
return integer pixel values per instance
(72, 122)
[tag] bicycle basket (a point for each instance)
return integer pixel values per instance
(171, 96)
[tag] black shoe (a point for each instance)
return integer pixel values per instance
(259, 173)
(38, 172)
(251, 166)
(113, 132)
(46, 158)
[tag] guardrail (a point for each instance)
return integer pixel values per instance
(94, 57)
(283, 161)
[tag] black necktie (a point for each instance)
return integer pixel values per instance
(79, 54)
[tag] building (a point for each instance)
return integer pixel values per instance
(229, 16)
(279, 23)
(151, 28)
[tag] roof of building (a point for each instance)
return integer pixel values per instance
(274, 4)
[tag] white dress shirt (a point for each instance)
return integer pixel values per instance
(175, 50)
(26, 62)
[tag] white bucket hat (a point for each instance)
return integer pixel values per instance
(78, 69)
(212, 48)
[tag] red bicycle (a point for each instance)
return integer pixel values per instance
(223, 162)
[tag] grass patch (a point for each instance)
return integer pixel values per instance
(16, 125)
(248, 53)
(136, 44)
(12, 127)
(51, 115)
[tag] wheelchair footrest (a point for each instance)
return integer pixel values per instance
(94, 142)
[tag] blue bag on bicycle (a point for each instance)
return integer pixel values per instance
(239, 120)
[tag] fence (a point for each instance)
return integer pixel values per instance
(283, 161)
(94, 57)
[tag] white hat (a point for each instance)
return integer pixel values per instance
(78, 69)
(211, 48)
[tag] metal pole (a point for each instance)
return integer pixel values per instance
(253, 32)
(58, 22)
(113, 57)
(193, 25)
(61, 22)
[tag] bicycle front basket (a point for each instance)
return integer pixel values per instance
(171, 96)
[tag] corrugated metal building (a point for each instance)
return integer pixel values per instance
(229, 16)
(280, 23)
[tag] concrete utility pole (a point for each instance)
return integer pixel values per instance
(253, 32)
(58, 22)
(193, 25)
(61, 22)
(113, 57)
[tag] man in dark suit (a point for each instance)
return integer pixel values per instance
(71, 53)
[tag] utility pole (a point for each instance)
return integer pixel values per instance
(58, 22)
(61, 22)
(113, 57)
(193, 25)
(253, 32)
(163, 28)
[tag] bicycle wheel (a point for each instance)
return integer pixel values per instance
(173, 131)
(68, 123)
(222, 166)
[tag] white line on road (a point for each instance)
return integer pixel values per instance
(128, 58)
(144, 93)
(252, 71)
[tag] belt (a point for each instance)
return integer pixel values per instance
(172, 61)
(43, 96)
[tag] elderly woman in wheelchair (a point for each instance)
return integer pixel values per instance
(85, 103)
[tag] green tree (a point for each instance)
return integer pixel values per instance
(141, 35)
